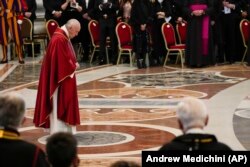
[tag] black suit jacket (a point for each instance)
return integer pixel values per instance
(109, 10)
(190, 142)
(176, 9)
(32, 6)
(141, 13)
(164, 7)
(90, 9)
(50, 6)
(19, 153)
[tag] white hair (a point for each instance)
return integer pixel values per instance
(73, 23)
(192, 112)
(12, 109)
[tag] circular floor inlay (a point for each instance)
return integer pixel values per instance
(98, 138)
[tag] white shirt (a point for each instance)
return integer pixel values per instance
(195, 130)
(160, 1)
(87, 3)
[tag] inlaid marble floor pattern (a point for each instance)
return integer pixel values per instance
(125, 110)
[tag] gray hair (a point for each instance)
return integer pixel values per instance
(72, 22)
(192, 112)
(12, 110)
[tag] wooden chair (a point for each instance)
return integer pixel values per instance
(245, 32)
(170, 43)
(26, 33)
(124, 37)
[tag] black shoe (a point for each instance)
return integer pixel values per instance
(21, 61)
(231, 62)
(155, 62)
(220, 61)
(113, 62)
(102, 62)
(127, 60)
(139, 63)
(4, 61)
(144, 64)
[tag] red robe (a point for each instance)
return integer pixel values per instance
(58, 65)
(24, 4)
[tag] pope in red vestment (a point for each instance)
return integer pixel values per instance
(58, 73)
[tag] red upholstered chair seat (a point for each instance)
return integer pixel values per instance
(127, 46)
(168, 34)
(51, 26)
(181, 46)
(94, 28)
(94, 31)
(181, 29)
(124, 37)
(245, 30)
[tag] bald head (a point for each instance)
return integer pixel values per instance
(73, 26)
(192, 113)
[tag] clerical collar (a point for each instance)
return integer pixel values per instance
(195, 130)
(65, 30)
(9, 133)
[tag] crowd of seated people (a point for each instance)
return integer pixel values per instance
(61, 147)
(213, 34)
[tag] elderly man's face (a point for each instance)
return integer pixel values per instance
(73, 31)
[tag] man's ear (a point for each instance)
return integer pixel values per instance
(206, 121)
(180, 124)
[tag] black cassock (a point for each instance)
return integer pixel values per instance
(199, 43)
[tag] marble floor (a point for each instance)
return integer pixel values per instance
(125, 110)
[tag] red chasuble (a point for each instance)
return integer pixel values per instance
(57, 68)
